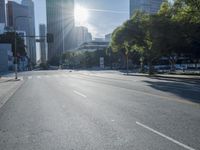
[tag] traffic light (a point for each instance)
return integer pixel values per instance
(50, 38)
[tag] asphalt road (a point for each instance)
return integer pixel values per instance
(62, 110)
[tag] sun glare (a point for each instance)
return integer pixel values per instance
(81, 15)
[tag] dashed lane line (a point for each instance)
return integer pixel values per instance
(80, 94)
(165, 136)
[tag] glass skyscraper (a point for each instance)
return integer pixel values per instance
(25, 23)
(43, 46)
(2, 11)
(60, 23)
(149, 6)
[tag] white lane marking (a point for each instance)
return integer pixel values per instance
(164, 136)
(39, 77)
(80, 94)
(30, 77)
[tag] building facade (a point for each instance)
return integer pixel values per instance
(43, 45)
(24, 23)
(82, 35)
(2, 28)
(6, 57)
(32, 42)
(149, 6)
(2, 11)
(60, 23)
(108, 37)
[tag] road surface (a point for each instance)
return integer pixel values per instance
(63, 110)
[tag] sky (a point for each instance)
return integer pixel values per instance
(103, 15)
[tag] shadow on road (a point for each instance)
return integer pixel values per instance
(188, 92)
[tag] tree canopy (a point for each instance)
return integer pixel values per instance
(174, 30)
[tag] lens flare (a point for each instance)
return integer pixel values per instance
(81, 15)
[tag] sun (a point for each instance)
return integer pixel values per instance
(81, 15)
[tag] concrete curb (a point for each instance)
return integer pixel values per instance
(174, 77)
(4, 98)
(166, 76)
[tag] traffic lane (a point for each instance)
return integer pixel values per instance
(183, 93)
(39, 121)
(186, 82)
(114, 133)
(178, 84)
(176, 119)
(85, 122)
(43, 115)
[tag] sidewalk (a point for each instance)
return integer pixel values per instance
(8, 87)
(192, 77)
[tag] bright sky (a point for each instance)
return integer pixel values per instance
(103, 16)
(100, 16)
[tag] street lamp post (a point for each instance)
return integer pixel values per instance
(16, 65)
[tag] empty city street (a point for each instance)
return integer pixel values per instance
(91, 110)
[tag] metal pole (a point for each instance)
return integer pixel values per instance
(127, 64)
(16, 66)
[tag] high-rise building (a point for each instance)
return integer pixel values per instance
(20, 18)
(32, 45)
(2, 11)
(43, 45)
(149, 6)
(82, 35)
(60, 23)
(108, 37)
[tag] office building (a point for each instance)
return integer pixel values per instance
(43, 45)
(149, 6)
(24, 23)
(31, 12)
(82, 35)
(60, 23)
(108, 37)
(2, 11)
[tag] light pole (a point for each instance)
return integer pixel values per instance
(16, 65)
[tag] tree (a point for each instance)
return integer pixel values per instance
(144, 39)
